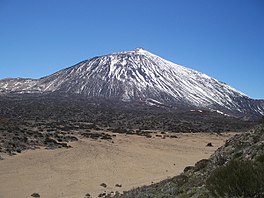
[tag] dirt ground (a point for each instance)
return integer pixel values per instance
(130, 161)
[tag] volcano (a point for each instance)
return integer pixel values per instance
(139, 75)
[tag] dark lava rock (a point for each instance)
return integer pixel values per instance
(209, 144)
(35, 195)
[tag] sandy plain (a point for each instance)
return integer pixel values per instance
(127, 160)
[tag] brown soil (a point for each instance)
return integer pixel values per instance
(129, 161)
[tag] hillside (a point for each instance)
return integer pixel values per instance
(234, 170)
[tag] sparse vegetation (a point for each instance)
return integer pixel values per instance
(234, 170)
(237, 179)
(53, 122)
(118, 115)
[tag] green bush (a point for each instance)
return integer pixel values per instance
(237, 179)
(260, 159)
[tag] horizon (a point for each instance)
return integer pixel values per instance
(221, 39)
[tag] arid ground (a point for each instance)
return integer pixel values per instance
(125, 162)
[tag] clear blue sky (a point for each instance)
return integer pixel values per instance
(224, 39)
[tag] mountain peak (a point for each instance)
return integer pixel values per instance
(139, 49)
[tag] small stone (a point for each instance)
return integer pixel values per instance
(35, 195)
(209, 144)
(118, 185)
(103, 185)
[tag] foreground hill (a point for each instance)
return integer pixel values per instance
(140, 76)
(234, 170)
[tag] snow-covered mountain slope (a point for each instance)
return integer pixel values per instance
(17, 85)
(139, 75)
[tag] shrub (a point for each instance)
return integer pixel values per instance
(200, 164)
(237, 179)
(260, 158)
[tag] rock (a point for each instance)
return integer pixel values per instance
(102, 195)
(35, 195)
(103, 185)
(118, 185)
(209, 144)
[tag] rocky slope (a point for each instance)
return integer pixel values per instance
(116, 115)
(139, 75)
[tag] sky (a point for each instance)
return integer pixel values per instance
(223, 39)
